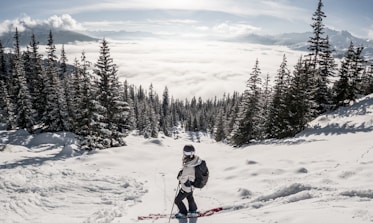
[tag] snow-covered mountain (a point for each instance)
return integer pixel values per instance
(340, 40)
(60, 36)
(322, 175)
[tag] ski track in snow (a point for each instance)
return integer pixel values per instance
(319, 176)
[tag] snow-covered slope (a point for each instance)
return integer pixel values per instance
(322, 175)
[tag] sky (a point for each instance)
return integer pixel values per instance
(190, 18)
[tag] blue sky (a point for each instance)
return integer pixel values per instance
(190, 17)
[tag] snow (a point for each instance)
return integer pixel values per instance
(322, 175)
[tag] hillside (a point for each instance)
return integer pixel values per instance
(322, 175)
(41, 32)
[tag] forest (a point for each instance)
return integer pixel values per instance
(46, 94)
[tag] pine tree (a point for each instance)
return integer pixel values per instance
(317, 41)
(347, 88)
(36, 77)
(63, 64)
(127, 98)
(265, 102)
(55, 117)
(278, 111)
(299, 99)
(111, 111)
(367, 81)
(326, 70)
(219, 129)
(3, 65)
(165, 119)
(7, 108)
(320, 60)
(25, 115)
(248, 116)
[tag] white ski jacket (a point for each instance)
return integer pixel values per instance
(188, 173)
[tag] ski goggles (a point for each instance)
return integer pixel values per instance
(188, 153)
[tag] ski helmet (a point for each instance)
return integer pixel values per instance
(189, 150)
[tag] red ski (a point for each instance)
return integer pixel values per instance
(200, 214)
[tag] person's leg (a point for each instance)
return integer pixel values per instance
(191, 202)
(179, 202)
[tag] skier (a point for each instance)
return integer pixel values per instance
(186, 178)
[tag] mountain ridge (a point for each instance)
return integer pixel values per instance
(339, 40)
(41, 32)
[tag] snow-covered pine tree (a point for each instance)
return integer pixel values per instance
(7, 108)
(165, 118)
(35, 77)
(219, 132)
(84, 99)
(248, 117)
(278, 117)
(367, 80)
(3, 68)
(265, 102)
(299, 99)
(63, 63)
(321, 60)
(55, 117)
(25, 114)
(326, 69)
(111, 111)
(131, 120)
(347, 88)
(317, 41)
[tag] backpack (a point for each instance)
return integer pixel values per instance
(201, 175)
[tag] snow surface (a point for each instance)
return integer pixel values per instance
(322, 175)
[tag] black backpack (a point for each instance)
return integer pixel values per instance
(202, 175)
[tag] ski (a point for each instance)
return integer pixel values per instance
(200, 214)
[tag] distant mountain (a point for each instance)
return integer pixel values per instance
(121, 34)
(42, 35)
(340, 41)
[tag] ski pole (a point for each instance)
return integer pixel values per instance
(173, 202)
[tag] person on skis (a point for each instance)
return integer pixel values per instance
(186, 178)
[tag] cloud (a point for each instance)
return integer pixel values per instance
(11, 25)
(229, 29)
(275, 8)
(64, 21)
(188, 67)
(370, 35)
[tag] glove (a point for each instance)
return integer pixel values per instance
(188, 183)
(179, 174)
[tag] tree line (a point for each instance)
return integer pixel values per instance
(49, 95)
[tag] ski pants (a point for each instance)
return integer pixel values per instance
(180, 204)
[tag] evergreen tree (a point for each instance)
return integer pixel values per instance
(248, 116)
(25, 115)
(127, 98)
(3, 65)
(278, 119)
(326, 70)
(55, 117)
(219, 129)
(36, 77)
(165, 119)
(7, 114)
(320, 61)
(299, 99)
(347, 87)
(111, 111)
(367, 81)
(265, 102)
(317, 41)
(63, 64)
